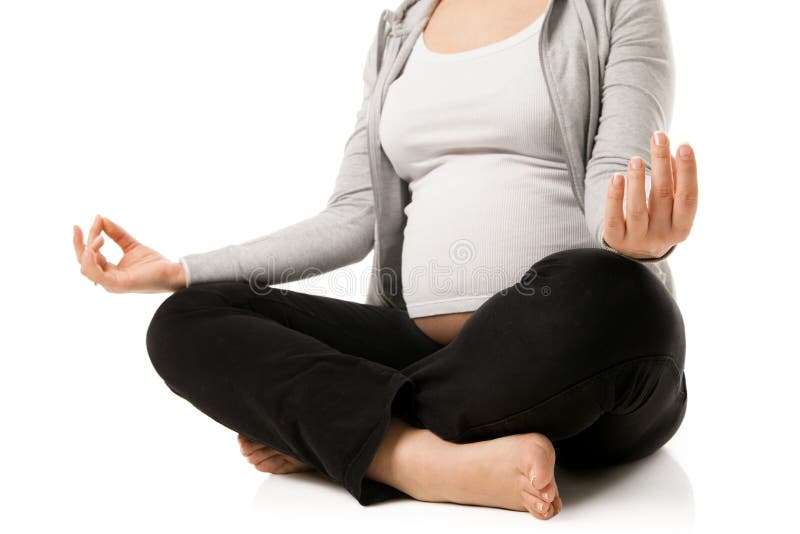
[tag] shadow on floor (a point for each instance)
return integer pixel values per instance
(655, 487)
(654, 490)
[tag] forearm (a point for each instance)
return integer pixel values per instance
(638, 95)
(332, 239)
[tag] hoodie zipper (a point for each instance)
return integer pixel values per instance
(555, 103)
(373, 137)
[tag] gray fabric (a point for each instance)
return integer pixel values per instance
(610, 74)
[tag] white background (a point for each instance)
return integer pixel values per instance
(197, 124)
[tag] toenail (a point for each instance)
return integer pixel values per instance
(546, 496)
(540, 507)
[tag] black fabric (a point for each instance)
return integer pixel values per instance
(587, 348)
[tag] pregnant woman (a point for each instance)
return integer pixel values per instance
(510, 170)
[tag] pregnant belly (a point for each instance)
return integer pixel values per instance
(442, 328)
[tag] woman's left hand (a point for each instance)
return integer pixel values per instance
(650, 228)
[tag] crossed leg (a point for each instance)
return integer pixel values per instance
(588, 372)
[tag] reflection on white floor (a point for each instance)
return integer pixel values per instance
(651, 493)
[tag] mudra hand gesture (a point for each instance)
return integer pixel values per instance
(649, 228)
(141, 269)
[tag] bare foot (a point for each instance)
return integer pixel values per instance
(268, 460)
(513, 472)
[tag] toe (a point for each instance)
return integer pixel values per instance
(547, 493)
(540, 463)
(537, 507)
(262, 454)
(557, 505)
(250, 447)
(297, 465)
(273, 465)
(280, 465)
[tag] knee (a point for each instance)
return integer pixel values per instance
(165, 330)
(173, 326)
(611, 303)
(596, 269)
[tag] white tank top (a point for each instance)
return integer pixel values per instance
(474, 135)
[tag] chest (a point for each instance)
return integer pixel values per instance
(483, 101)
(455, 27)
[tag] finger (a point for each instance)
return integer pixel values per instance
(118, 234)
(95, 245)
(686, 193)
(94, 230)
(614, 232)
(661, 186)
(77, 241)
(674, 174)
(636, 216)
(91, 269)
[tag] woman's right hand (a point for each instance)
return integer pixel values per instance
(141, 269)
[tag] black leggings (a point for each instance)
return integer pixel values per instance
(587, 348)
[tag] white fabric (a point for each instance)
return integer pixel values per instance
(475, 136)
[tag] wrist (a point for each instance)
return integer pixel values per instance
(176, 276)
(641, 254)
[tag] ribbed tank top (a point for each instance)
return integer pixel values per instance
(474, 135)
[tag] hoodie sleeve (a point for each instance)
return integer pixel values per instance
(637, 99)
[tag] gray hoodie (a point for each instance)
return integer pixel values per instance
(609, 70)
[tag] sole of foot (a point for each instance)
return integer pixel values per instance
(515, 472)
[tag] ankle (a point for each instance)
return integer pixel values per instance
(413, 460)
